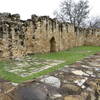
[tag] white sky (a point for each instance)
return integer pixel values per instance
(40, 7)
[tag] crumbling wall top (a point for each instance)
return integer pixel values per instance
(9, 17)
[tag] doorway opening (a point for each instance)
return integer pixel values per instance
(52, 45)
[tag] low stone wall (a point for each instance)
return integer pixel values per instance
(41, 35)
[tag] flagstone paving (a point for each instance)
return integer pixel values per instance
(80, 81)
(27, 66)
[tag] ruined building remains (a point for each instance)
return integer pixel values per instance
(41, 35)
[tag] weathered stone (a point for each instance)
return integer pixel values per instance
(14, 84)
(51, 80)
(89, 72)
(71, 97)
(71, 88)
(81, 82)
(56, 96)
(79, 72)
(5, 97)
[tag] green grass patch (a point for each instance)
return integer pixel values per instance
(69, 56)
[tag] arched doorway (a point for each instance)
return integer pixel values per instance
(52, 45)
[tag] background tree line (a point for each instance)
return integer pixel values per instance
(76, 13)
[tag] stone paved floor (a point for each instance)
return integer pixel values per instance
(27, 66)
(80, 81)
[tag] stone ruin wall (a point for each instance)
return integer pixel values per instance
(41, 35)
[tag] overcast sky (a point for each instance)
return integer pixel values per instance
(40, 7)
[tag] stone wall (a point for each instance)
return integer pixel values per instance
(41, 35)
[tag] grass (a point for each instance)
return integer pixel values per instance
(69, 56)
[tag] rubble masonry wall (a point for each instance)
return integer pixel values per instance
(41, 35)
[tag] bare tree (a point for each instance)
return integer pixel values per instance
(73, 12)
(94, 22)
